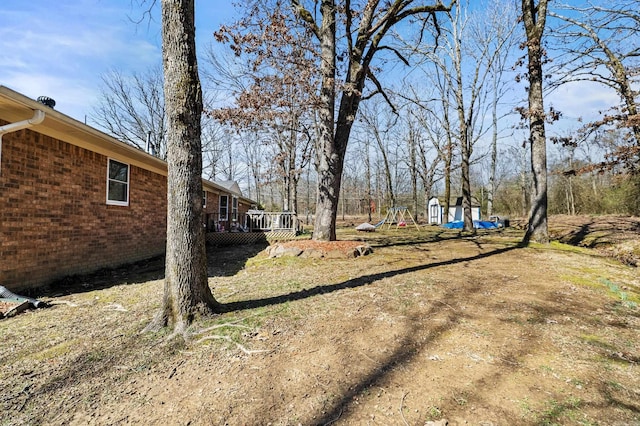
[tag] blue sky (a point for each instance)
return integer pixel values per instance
(60, 48)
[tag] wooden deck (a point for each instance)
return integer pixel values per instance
(260, 226)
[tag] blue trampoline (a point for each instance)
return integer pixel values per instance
(478, 224)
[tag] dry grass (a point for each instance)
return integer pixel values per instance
(431, 325)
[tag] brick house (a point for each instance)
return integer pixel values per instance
(74, 200)
(224, 206)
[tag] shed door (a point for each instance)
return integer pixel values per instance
(434, 213)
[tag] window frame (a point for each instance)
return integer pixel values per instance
(226, 208)
(127, 183)
(234, 208)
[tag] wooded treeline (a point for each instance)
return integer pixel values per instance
(442, 105)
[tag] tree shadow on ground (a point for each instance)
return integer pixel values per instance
(598, 232)
(353, 283)
(221, 262)
(407, 350)
(132, 273)
(410, 347)
(394, 238)
(82, 377)
(227, 261)
(549, 310)
(413, 343)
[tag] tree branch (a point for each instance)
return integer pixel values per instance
(306, 16)
(379, 89)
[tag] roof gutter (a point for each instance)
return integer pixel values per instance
(38, 117)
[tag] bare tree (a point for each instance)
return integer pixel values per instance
(377, 124)
(131, 109)
(433, 114)
(217, 144)
(186, 289)
(345, 40)
(598, 43)
(534, 15)
(501, 18)
(470, 46)
(365, 31)
(412, 140)
(253, 149)
(367, 163)
(273, 94)
(431, 149)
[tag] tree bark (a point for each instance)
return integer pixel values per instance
(465, 170)
(367, 163)
(524, 188)
(329, 163)
(494, 146)
(534, 17)
(413, 168)
(448, 162)
(186, 289)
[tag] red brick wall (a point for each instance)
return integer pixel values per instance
(54, 220)
(212, 210)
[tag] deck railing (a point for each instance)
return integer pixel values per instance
(260, 226)
(261, 221)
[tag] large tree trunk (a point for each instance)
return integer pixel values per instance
(494, 147)
(413, 169)
(534, 21)
(524, 188)
(367, 163)
(465, 167)
(466, 185)
(186, 288)
(329, 171)
(328, 161)
(447, 180)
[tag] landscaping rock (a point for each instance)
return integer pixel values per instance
(442, 422)
(278, 250)
(312, 253)
(362, 250)
(365, 227)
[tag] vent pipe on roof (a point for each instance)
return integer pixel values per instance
(45, 100)
(38, 117)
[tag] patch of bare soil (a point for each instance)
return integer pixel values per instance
(432, 325)
(615, 236)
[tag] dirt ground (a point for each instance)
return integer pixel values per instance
(432, 325)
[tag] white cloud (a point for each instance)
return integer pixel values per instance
(582, 99)
(60, 49)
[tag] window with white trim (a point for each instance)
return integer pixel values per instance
(117, 183)
(224, 207)
(234, 209)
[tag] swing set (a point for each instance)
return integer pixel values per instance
(398, 216)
